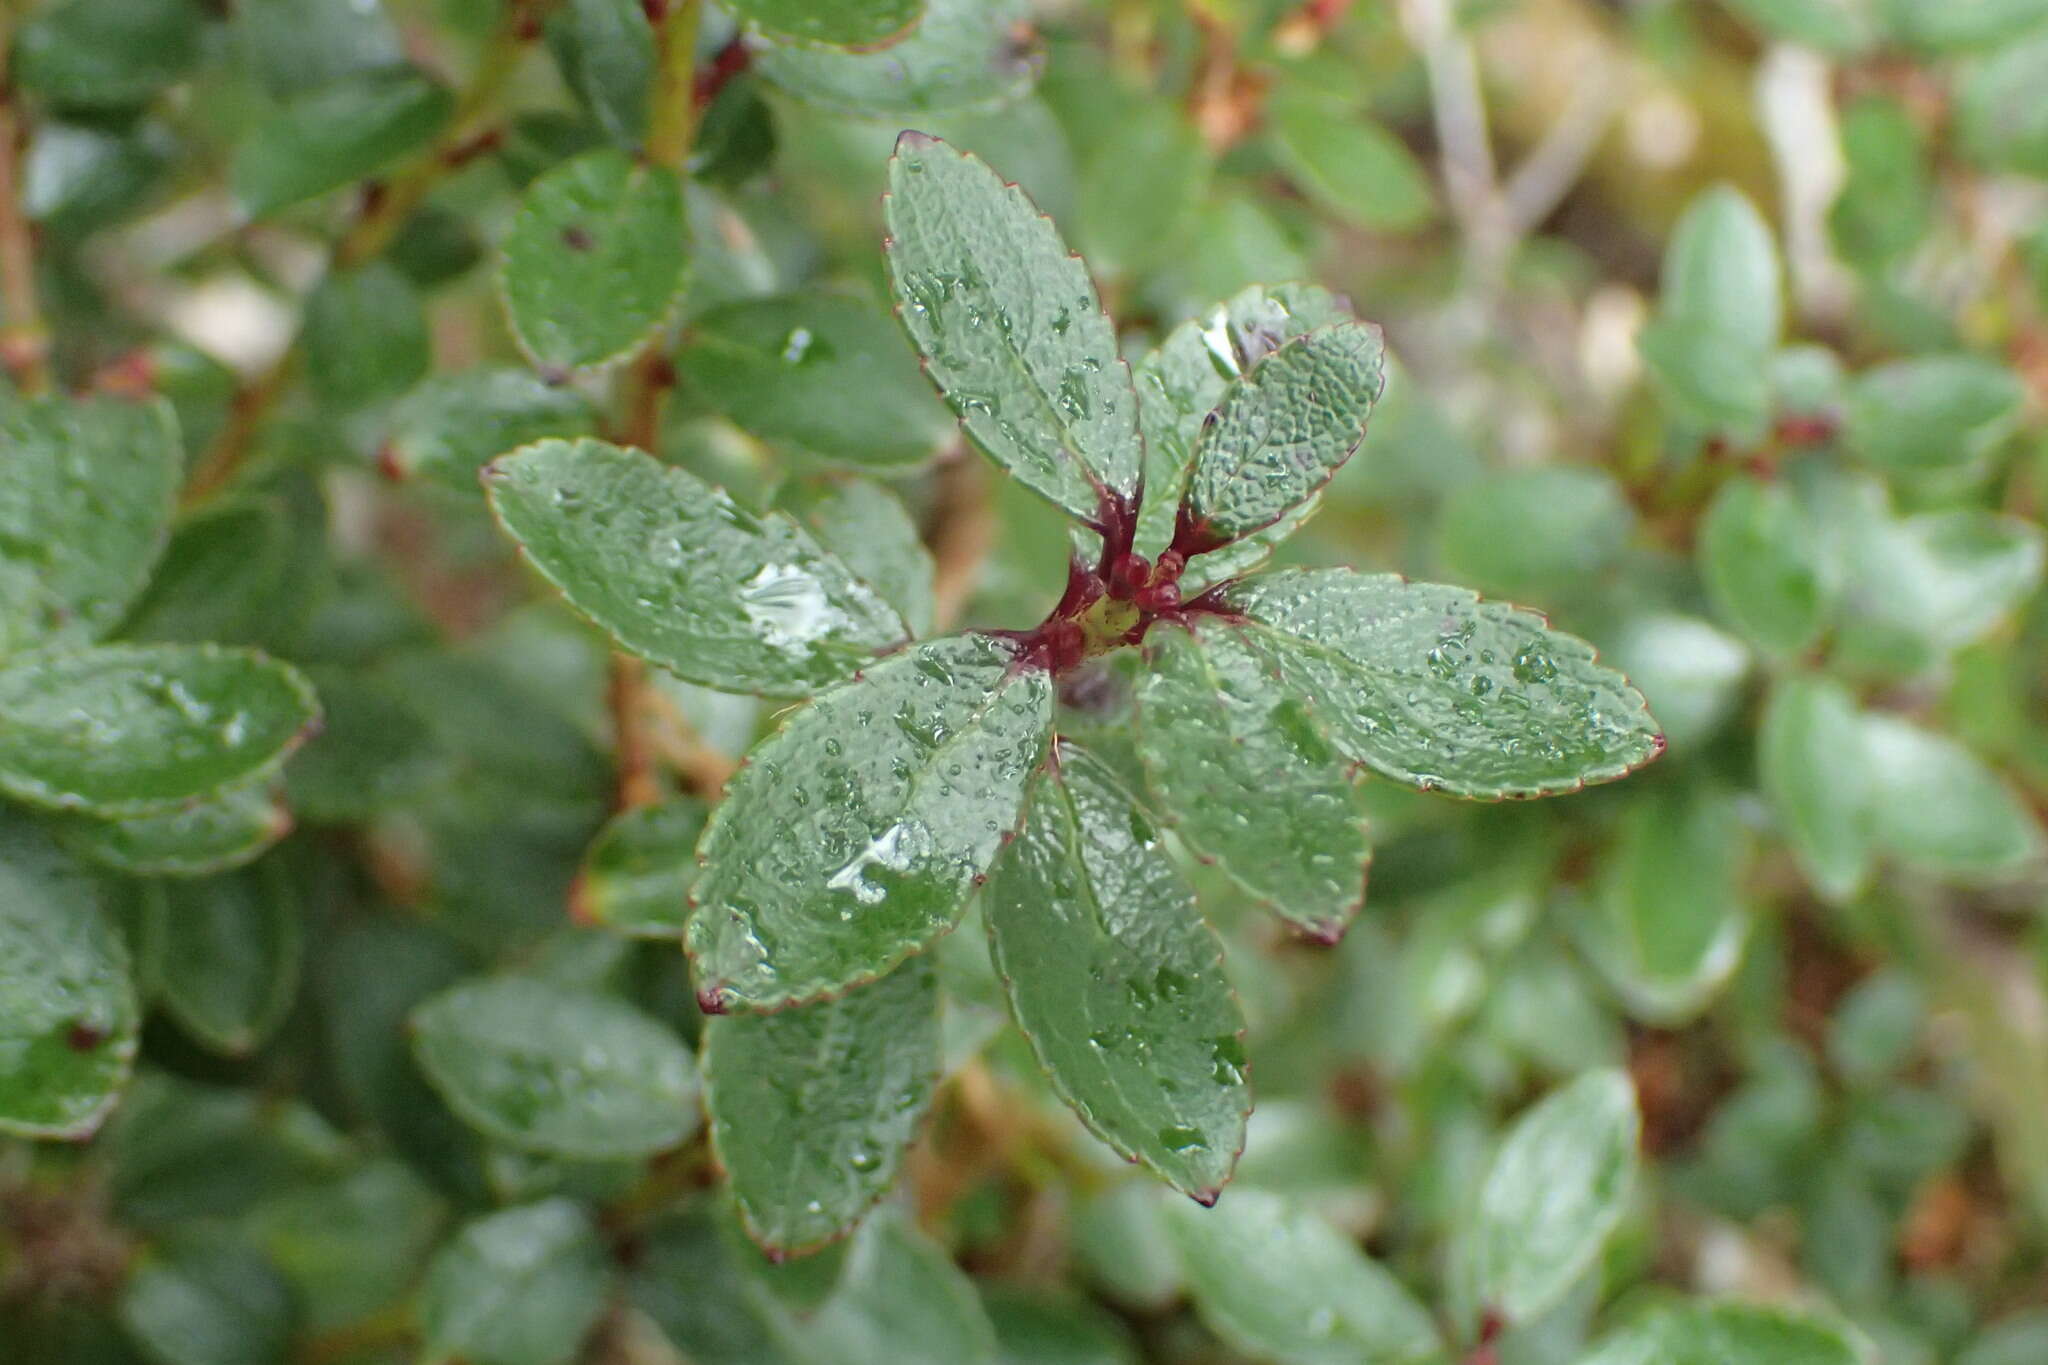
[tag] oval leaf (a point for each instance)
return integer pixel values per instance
(1247, 776)
(683, 576)
(637, 876)
(215, 835)
(137, 729)
(962, 53)
(594, 260)
(837, 23)
(328, 136)
(1726, 1334)
(1010, 328)
(1432, 686)
(901, 1301)
(855, 834)
(812, 1108)
(223, 955)
(547, 1069)
(1116, 981)
(1813, 767)
(1760, 557)
(452, 425)
(521, 1286)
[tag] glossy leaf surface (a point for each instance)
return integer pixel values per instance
(323, 138)
(452, 425)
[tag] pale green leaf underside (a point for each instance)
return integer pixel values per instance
(1116, 980)
(1760, 559)
(68, 1015)
(1726, 1334)
(1284, 428)
(874, 535)
(813, 1107)
(125, 730)
(1184, 379)
(1010, 327)
(838, 23)
(1278, 1282)
(1813, 768)
(85, 509)
(562, 1072)
(212, 835)
(521, 1286)
(962, 53)
(683, 576)
(855, 834)
(1248, 777)
(1555, 1192)
(594, 260)
(223, 955)
(1431, 686)
(636, 876)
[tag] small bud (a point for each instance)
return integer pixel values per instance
(1128, 573)
(1159, 597)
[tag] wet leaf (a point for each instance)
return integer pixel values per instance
(522, 1286)
(223, 954)
(605, 50)
(637, 876)
(1246, 774)
(1116, 981)
(874, 534)
(365, 336)
(207, 1299)
(68, 1015)
(1431, 686)
(594, 260)
(856, 833)
(564, 1072)
(963, 53)
(211, 836)
(683, 576)
(452, 425)
(691, 1280)
(836, 23)
(812, 1107)
(327, 136)
(1011, 328)
(126, 730)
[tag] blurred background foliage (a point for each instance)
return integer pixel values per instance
(1721, 335)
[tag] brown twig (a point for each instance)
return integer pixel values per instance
(961, 529)
(24, 340)
(639, 784)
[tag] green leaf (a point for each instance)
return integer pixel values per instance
(824, 373)
(239, 570)
(1887, 203)
(636, 879)
(1276, 1281)
(1036, 1327)
(449, 427)
(365, 334)
(223, 955)
(2001, 119)
(812, 1108)
(692, 1282)
(872, 532)
(1431, 686)
(522, 1286)
(900, 1301)
(963, 53)
(1284, 427)
(1814, 770)
(80, 177)
(213, 835)
(1116, 981)
(374, 751)
(68, 1016)
(1553, 1195)
(1920, 587)
(1011, 328)
(1938, 807)
(1827, 25)
(605, 50)
(546, 1069)
(107, 54)
(84, 512)
(683, 576)
(1146, 174)
(1534, 532)
(1761, 559)
(1667, 922)
(325, 137)
(297, 44)
(855, 834)
(207, 1300)
(138, 729)
(1351, 165)
(1247, 776)
(1691, 671)
(1931, 412)
(837, 23)
(352, 1243)
(1184, 379)
(594, 261)
(1708, 1333)
(1719, 315)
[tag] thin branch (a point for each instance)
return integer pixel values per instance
(639, 784)
(961, 530)
(1458, 108)
(1555, 164)
(25, 340)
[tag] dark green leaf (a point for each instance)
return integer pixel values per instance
(79, 177)
(239, 570)
(856, 833)
(325, 137)
(1761, 559)
(522, 1286)
(1822, 24)
(139, 729)
(1116, 981)
(1431, 686)
(637, 877)
(1814, 769)
(812, 1107)
(84, 512)
(900, 1301)
(827, 374)
(1931, 412)
(68, 1017)
(205, 1300)
(550, 1070)
(107, 54)
(1351, 166)
(1275, 1280)
(1247, 776)
(962, 53)
(605, 49)
(374, 751)
(1011, 328)
(1554, 1194)
(1038, 1328)
(873, 533)
(692, 1282)
(1728, 1333)
(839, 23)
(452, 425)
(594, 261)
(365, 335)
(1283, 428)
(223, 954)
(683, 576)
(1144, 179)
(211, 836)
(295, 45)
